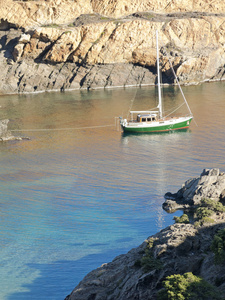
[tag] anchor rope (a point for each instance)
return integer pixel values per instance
(61, 129)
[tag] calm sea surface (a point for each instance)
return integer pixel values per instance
(79, 192)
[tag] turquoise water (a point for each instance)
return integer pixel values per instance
(74, 197)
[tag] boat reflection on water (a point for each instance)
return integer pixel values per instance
(153, 157)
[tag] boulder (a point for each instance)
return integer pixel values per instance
(4, 128)
(17, 52)
(6, 135)
(210, 184)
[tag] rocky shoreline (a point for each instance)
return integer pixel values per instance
(210, 184)
(183, 247)
(66, 45)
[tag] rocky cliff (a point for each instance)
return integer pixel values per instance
(183, 247)
(210, 184)
(59, 44)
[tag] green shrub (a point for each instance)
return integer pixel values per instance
(207, 220)
(206, 209)
(150, 243)
(183, 219)
(203, 212)
(187, 287)
(137, 263)
(219, 207)
(203, 221)
(197, 224)
(218, 246)
(148, 262)
(213, 205)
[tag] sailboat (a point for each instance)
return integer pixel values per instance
(154, 121)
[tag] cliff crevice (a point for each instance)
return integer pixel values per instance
(45, 34)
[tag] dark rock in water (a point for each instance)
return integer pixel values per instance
(170, 196)
(173, 205)
(210, 184)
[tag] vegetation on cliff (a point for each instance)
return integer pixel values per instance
(218, 246)
(148, 262)
(187, 287)
(202, 213)
(182, 261)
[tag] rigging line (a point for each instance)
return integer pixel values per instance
(142, 74)
(179, 85)
(154, 108)
(132, 101)
(135, 94)
(182, 91)
(174, 110)
(61, 129)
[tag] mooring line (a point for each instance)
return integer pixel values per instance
(61, 129)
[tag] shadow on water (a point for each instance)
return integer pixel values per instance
(65, 274)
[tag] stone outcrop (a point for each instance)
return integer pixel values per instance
(6, 135)
(60, 44)
(210, 184)
(177, 249)
(32, 13)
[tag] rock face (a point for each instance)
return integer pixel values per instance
(4, 129)
(5, 134)
(210, 184)
(60, 44)
(177, 249)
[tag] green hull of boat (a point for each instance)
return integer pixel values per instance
(161, 128)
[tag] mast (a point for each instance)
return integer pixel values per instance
(158, 75)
